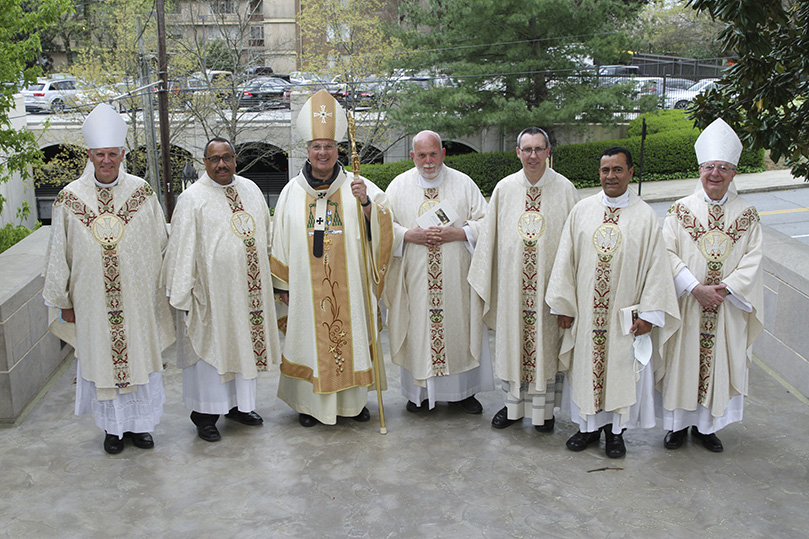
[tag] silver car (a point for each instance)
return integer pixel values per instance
(54, 95)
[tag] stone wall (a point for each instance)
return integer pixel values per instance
(29, 354)
(784, 343)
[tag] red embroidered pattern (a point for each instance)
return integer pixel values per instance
(111, 265)
(254, 298)
(601, 312)
(533, 201)
(707, 335)
(435, 288)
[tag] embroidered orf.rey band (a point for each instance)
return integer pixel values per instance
(530, 227)
(435, 290)
(606, 241)
(107, 228)
(243, 226)
(715, 244)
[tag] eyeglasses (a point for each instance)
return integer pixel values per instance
(723, 169)
(227, 158)
(529, 151)
(318, 147)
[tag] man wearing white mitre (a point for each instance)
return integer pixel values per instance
(714, 242)
(108, 234)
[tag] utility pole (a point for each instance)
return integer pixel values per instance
(163, 107)
(148, 118)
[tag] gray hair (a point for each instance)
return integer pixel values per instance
(423, 134)
(533, 131)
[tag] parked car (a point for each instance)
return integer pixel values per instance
(265, 93)
(613, 74)
(53, 95)
(679, 99)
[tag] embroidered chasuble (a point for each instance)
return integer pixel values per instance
(706, 362)
(608, 259)
(317, 257)
(510, 271)
(103, 261)
(217, 269)
(433, 329)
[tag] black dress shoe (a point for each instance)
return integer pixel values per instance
(675, 439)
(363, 416)
(142, 440)
(501, 420)
(415, 408)
(471, 405)
(547, 426)
(209, 433)
(307, 421)
(112, 444)
(580, 440)
(709, 441)
(614, 443)
(245, 418)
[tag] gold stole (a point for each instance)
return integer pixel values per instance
(107, 228)
(606, 240)
(715, 245)
(243, 226)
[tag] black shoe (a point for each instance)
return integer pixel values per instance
(142, 440)
(112, 444)
(501, 420)
(200, 419)
(709, 441)
(675, 439)
(580, 440)
(471, 405)
(415, 408)
(547, 426)
(245, 418)
(307, 421)
(363, 416)
(614, 443)
(209, 433)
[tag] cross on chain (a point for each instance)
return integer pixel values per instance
(322, 114)
(319, 221)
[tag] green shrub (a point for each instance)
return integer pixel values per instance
(11, 234)
(659, 121)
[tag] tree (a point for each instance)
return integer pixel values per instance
(672, 28)
(350, 43)
(516, 63)
(19, 51)
(763, 94)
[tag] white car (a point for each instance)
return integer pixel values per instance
(54, 95)
(679, 99)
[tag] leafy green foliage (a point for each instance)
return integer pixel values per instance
(515, 63)
(10, 234)
(763, 95)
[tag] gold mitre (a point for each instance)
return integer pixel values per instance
(322, 117)
(718, 142)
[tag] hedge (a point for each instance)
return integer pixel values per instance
(668, 154)
(11, 234)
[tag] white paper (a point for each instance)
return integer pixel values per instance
(443, 214)
(627, 316)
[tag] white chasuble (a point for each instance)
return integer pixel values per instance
(103, 261)
(510, 272)
(217, 269)
(609, 258)
(706, 361)
(317, 257)
(434, 330)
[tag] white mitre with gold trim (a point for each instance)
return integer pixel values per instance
(719, 142)
(104, 128)
(322, 117)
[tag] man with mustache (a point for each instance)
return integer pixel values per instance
(217, 274)
(435, 336)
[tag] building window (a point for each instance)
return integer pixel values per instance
(223, 7)
(256, 36)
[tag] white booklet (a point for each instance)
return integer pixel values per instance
(442, 214)
(627, 316)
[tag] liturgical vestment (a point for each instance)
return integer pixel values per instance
(706, 362)
(317, 256)
(609, 258)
